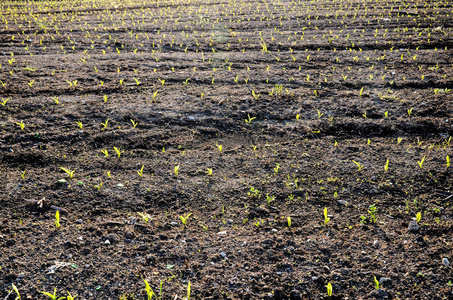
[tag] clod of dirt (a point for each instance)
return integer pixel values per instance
(279, 294)
(295, 295)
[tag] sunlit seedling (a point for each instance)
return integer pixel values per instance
(68, 171)
(326, 218)
(420, 163)
(57, 219)
(144, 216)
(184, 219)
(118, 151)
(140, 172)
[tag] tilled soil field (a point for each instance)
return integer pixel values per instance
(226, 150)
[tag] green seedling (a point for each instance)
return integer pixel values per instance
(359, 165)
(256, 96)
(361, 91)
(136, 81)
(16, 290)
(209, 171)
(70, 297)
(53, 296)
(376, 283)
(320, 114)
(219, 147)
(99, 185)
(386, 166)
(148, 289)
(68, 171)
(420, 163)
(140, 172)
(56, 100)
(144, 216)
(409, 111)
(372, 211)
(188, 291)
(269, 199)
(118, 151)
(4, 101)
(79, 123)
(31, 83)
(134, 123)
(162, 81)
(249, 120)
(57, 219)
(105, 98)
(289, 221)
(21, 125)
(176, 170)
(184, 219)
(448, 161)
(326, 218)
(329, 289)
(22, 175)
(418, 217)
(105, 152)
(277, 168)
(105, 124)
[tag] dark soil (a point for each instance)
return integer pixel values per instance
(343, 89)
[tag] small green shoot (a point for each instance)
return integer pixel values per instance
(188, 291)
(420, 163)
(79, 123)
(329, 289)
(219, 147)
(249, 120)
(359, 165)
(118, 151)
(21, 125)
(184, 219)
(386, 166)
(16, 290)
(57, 219)
(68, 171)
(144, 216)
(289, 221)
(148, 289)
(52, 296)
(105, 124)
(134, 123)
(269, 199)
(105, 152)
(69, 297)
(209, 171)
(376, 283)
(326, 218)
(372, 211)
(176, 170)
(140, 172)
(448, 161)
(418, 217)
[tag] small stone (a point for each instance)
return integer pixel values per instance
(20, 275)
(342, 202)
(107, 242)
(376, 244)
(222, 232)
(274, 230)
(79, 221)
(223, 254)
(174, 224)
(446, 262)
(385, 282)
(413, 226)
